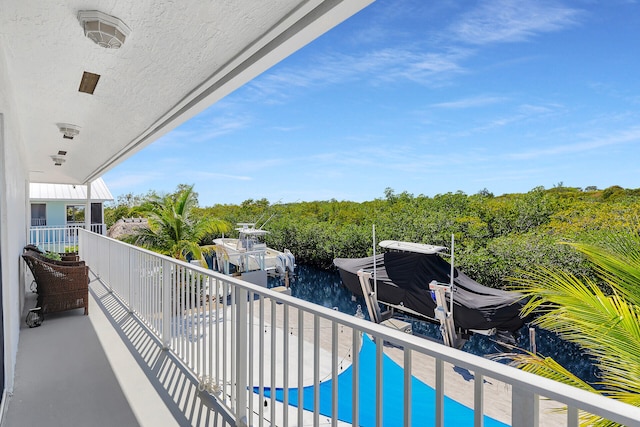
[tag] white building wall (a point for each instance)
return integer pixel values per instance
(13, 216)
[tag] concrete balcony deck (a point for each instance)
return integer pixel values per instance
(103, 369)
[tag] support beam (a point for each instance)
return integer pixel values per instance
(87, 209)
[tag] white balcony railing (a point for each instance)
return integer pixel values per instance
(38, 222)
(240, 339)
(63, 238)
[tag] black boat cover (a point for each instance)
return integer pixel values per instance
(403, 280)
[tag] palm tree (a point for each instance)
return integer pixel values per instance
(174, 229)
(602, 317)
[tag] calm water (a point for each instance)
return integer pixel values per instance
(325, 288)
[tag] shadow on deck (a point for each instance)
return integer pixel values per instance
(104, 369)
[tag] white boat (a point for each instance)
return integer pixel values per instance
(248, 255)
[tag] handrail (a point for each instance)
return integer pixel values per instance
(200, 316)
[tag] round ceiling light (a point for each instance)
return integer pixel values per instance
(105, 30)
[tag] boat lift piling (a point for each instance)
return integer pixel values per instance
(443, 313)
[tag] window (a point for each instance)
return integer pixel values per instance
(75, 214)
(38, 214)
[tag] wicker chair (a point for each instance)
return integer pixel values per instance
(61, 285)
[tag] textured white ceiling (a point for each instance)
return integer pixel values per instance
(181, 57)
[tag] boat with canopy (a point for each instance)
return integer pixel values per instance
(417, 280)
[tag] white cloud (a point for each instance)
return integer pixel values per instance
(205, 127)
(374, 67)
(201, 175)
(124, 181)
(471, 102)
(512, 21)
(622, 137)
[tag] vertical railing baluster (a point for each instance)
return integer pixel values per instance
(242, 386)
(175, 310)
(193, 316)
(219, 316)
(407, 387)
(200, 319)
(225, 341)
(211, 324)
(251, 351)
(234, 354)
(573, 418)
(285, 367)
(525, 407)
(300, 367)
(439, 409)
(356, 339)
(261, 363)
(478, 400)
(334, 374)
(316, 370)
(379, 381)
(184, 313)
(131, 260)
(166, 302)
(272, 363)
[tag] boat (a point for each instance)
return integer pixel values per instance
(417, 280)
(249, 257)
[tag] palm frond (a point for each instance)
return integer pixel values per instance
(173, 229)
(602, 318)
(618, 263)
(544, 366)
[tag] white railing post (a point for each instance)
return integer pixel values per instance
(439, 403)
(166, 304)
(81, 243)
(130, 270)
(525, 408)
(242, 363)
(478, 400)
(407, 387)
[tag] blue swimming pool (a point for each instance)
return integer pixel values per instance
(422, 397)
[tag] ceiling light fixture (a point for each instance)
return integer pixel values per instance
(58, 160)
(105, 30)
(69, 131)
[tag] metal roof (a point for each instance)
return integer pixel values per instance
(47, 192)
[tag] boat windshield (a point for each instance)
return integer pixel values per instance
(251, 238)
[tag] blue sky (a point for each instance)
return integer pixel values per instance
(425, 97)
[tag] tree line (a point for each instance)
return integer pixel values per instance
(496, 237)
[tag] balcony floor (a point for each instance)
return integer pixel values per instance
(103, 369)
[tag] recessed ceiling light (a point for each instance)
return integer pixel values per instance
(105, 30)
(68, 130)
(89, 82)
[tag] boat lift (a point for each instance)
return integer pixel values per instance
(375, 314)
(442, 294)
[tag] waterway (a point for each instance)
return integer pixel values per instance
(325, 288)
